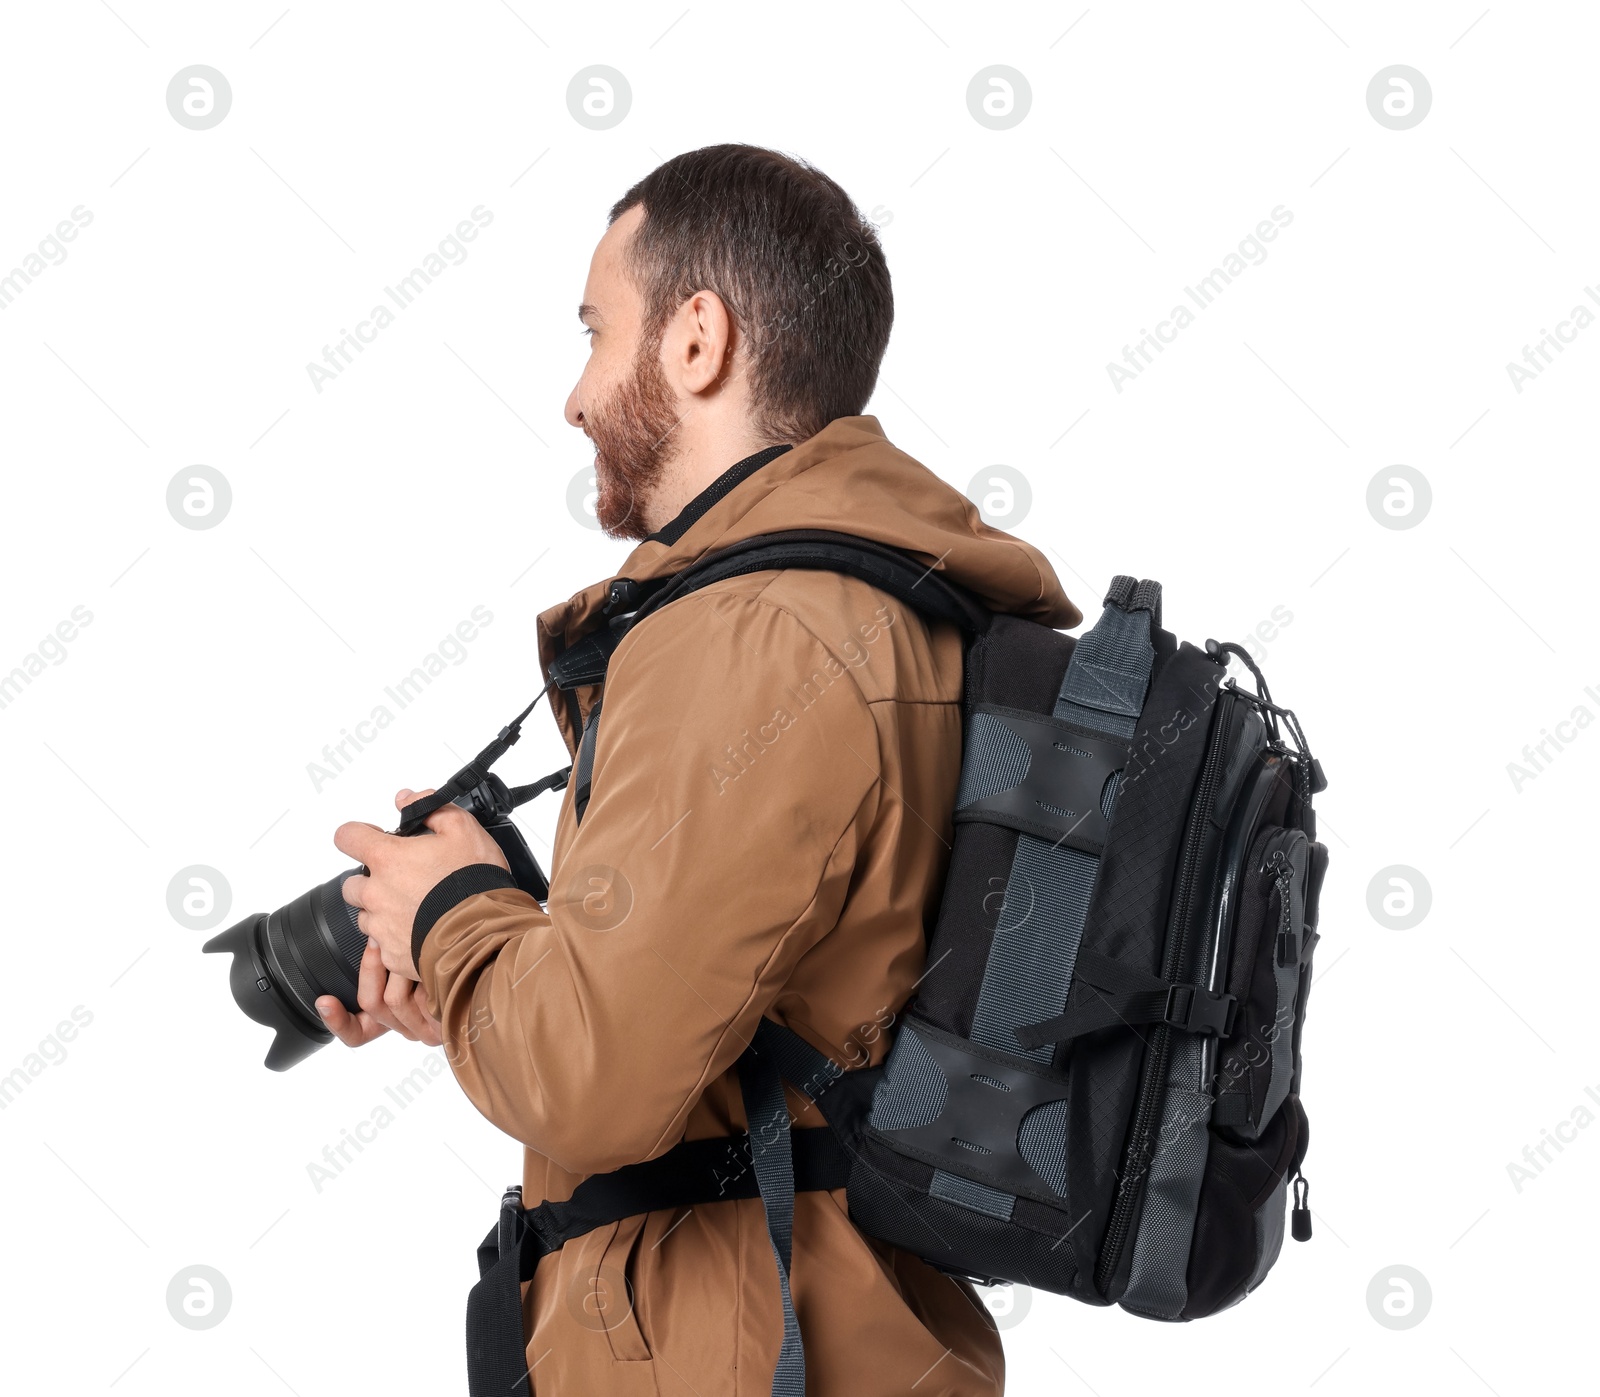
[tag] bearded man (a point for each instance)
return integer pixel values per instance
(763, 827)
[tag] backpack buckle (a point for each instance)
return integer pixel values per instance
(1195, 1009)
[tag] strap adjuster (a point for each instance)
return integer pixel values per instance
(1195, 1009)
(509, 1238)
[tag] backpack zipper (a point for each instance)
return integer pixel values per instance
(1282, 874)
(1151, 1097)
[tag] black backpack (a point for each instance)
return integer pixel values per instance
(1096, 1087)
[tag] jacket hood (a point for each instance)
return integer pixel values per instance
(848, 478)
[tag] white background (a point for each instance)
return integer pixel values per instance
(430, 477)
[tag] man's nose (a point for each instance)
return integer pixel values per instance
(574, 409)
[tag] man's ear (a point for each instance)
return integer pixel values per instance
(699, 345)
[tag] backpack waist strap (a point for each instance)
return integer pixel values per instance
(773, 1165)
(691, 1173)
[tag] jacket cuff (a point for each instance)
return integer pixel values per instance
(450, 890)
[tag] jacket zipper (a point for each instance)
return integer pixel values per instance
(1151, 1096)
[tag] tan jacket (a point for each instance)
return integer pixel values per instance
(768, 832)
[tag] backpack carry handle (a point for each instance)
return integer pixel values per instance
(1135, 594)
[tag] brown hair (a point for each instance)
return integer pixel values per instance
(799, 268)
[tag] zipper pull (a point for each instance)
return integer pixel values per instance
(1288, 944)
(1300, 1218)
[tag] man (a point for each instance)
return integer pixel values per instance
(769, 822)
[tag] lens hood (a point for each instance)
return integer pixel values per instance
(263, 998)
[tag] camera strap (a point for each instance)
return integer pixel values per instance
(477, 771)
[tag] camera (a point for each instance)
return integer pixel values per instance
(284, 960)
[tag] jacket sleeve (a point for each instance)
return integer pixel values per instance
(735, 773)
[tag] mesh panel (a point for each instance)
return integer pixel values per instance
(997, 760)
(1042, 1141)
(1108, 793)
(1025, 1246)
(913, 1089)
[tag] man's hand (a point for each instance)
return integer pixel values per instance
(387, 1001)
(403, 872)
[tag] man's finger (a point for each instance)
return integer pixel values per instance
(401, 999)
(360, 841)
(355, 890)
(407, 795)
(445, 816)
(371, 982)
(353, 1030)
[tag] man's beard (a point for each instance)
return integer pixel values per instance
(631, 429)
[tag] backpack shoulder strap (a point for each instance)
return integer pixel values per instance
(889, 569)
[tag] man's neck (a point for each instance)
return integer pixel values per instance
(695, 466)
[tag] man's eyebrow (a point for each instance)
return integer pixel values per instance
(587, 312)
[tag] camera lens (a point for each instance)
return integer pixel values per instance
(284, 960)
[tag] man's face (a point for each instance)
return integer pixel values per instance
(622, 402)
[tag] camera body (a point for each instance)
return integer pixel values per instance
(490, 804)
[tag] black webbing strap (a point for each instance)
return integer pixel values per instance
(888, 569)
(692, 1173)
(497, 1362)
(583, 764)
(1107, 993)
(555, 781)
(474, 772)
